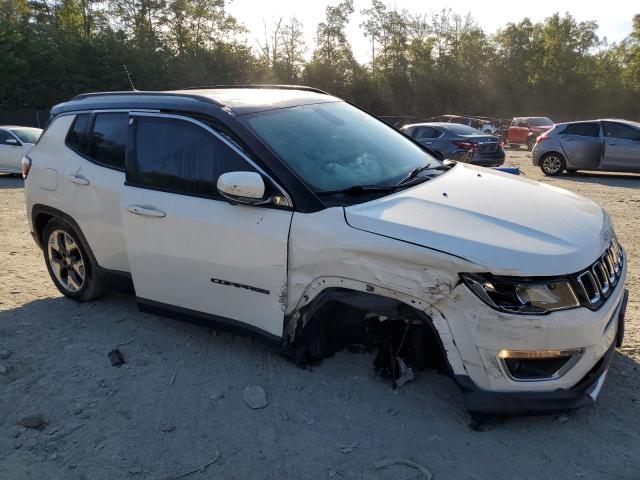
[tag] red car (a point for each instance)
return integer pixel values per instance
(525, 130)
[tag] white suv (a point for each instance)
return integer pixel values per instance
(289, 214)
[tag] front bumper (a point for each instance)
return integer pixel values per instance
(583, 393)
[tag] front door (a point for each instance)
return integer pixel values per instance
(190, 251)
(10, 153)
(621, 147)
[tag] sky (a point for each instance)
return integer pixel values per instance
(614, 20)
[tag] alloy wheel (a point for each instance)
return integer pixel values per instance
(65, 258)
(552, 164)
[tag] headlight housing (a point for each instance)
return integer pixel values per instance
(522, 296)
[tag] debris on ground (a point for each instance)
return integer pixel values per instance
(198, 469)
(406, 373)
(168, 428)
(380, 464)
(255, 396)
(349, 448)
(35, 422)
(116, 357)
(4, 354)
(217, 395)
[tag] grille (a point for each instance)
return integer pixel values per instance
(598, 281)
(488, 147)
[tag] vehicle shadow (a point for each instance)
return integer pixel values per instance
(10, 181)
(626, 180)
(337, 414)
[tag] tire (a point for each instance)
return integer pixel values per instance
(531, 142)
(72, 270)
(552, 164)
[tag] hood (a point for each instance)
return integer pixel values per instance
(504, 223)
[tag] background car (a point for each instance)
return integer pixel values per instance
(458, 142)
(15, 142)
(611, 145)
(525, 130)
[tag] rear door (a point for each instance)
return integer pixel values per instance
(621, 147)
(10, 153)
(582, 144)
(190, 251)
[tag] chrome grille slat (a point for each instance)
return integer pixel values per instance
(598, 281)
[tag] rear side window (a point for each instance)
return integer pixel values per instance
(108, 140)
(78, 138)
(583, 129)
(181, 157)
(618, 130)
(426, 132)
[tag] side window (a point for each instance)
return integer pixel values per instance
(181, 157)
(4, 136)
(109, 139)
(426, 132)
(618, 130)
(78, 138)
(583, 129)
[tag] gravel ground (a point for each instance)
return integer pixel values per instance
(176, 410)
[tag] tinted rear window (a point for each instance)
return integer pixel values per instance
(462, 130)
(583, 129)
(109, 139)
(27, 135)
(78, 138)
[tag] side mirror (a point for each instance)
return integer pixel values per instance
(12, 141)
(243, 187)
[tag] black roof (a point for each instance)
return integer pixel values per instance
(238, 99)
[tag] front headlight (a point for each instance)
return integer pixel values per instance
(515, 295)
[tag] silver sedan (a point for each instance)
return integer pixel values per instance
(609, 145)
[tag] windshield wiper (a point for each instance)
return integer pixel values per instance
(356, 189)
(416, 171)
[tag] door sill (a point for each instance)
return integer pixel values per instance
(208, 320)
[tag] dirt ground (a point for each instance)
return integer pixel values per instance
(175, 409)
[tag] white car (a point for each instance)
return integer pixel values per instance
(289, 214)
(15, 143)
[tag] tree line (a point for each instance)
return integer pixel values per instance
(420, 64)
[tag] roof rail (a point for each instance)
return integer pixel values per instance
(277, 87)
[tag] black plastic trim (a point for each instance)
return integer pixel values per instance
(208, 320)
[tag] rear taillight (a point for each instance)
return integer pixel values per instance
(26, 166)
(541, 138)
(501, 143)
(465, 145)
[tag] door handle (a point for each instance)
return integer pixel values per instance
(146, 212)
(79, 179)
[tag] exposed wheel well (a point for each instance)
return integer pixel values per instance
(39, 222)
(341, 319)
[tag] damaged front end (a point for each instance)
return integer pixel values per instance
(402, 338)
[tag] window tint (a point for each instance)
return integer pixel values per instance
(426, 132)
(78, 138)
(618, 130)
(109, 139)
(4, 136)
(181, 157)
(463, 130)
(583, 129)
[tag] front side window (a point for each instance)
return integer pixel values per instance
(333, 146)
(426, 132)
(181, 157)
(4, 136)
(583, 129)
(618, 130)
(109, 139)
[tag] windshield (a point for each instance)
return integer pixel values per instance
(463, 130)
(27, 135)
(540, 122)
(334, 146)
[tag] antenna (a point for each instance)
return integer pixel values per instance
(129, 77)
